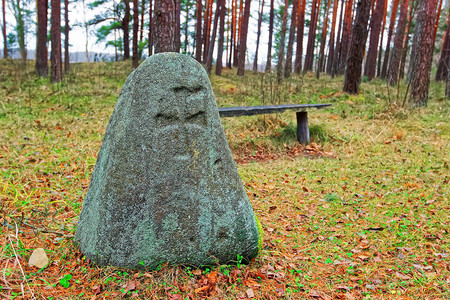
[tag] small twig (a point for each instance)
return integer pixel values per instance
(20, 266)
(47, 231)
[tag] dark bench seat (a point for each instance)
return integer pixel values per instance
(300, 109)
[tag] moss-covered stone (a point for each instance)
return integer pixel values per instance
(165, 187)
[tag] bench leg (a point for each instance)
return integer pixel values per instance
(302, 127)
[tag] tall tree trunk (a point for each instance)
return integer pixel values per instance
(213, 38)
(221, 38)
(337, 50)
(239, 30)
(375, 28)
(66, 37)
(357, 48)
(300, 32)
(126, 31)
(397, 51)
(269, 45)
(207, 28)
(5, 39)
(345, 40)
(423, 43)
(141, 27)
(436, 24)
(390, 32)
(186, 28)
(282, 44)
(55, 38)
(309, 58)
(243, 39)
(135, 62)
(406, 41)
(332, 37)
(380, 49)
(177, 25)
(41, 65)
(258, 35)
(164, 26)
(232, 33)
(288, 65)
(444, 59)
(151, 28)
(323, 38)
(198, 31)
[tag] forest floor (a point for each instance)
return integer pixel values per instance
(362, 212)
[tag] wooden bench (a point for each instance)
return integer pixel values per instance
(300, 109)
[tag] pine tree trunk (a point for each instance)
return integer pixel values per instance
(135, 62)
(309, 58)
(239, 30)
(288, 65)
(380, 49)
(323, 38)
(232, 33)
(345, 40)
(357, 48)
(444, 59)
(390, 32)
(41, 65)
(269, 45)
(164, 26)
(213, 39)
(422, 52)
(258, 35)
(198, 31)
(141, 27)
(243, 39)
(5, 39)
(221, 38)
(207, 29)
(300, 32)
(55, 38)
(282, 43)
(397, 51)
(177, 25)
(375, 28)
(151, 28)
(406, 41)
(126, 31)
(436, 24)
(66, 37)
(337, 50)
(332, 37)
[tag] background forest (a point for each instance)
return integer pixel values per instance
(360, 213)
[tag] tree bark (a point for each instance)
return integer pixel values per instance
(269, 45)
(55, 37)
(165, 26)
(207, 28)
(332, 37)
(357, 47)
(380, 49)
(41, 65)
(309, 58)
(213, 38)
(282, 42)
(141, 27)
(243, 39)
(300, 32)
(239, 30)
(151, 28)
(444, 59)
(177, 25)
(288, 65)
(135, 62)
(5, 39)
(406, 41)
(258, 35)
(422, 52)
(126, 31)
(198, 32)
(436, 24)
(375, 28)
(346, 31)
(323, 38)
(397, 51)
(337, 50)
(221, 38)
(390, 32)
(66, 37)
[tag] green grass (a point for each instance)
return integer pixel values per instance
(362, 211)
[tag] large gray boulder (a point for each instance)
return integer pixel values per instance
(165, 187)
